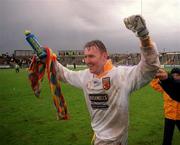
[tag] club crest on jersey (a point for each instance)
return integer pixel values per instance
(106, 83)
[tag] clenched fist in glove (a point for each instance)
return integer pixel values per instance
(137, 24)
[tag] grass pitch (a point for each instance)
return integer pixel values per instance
(27, 120)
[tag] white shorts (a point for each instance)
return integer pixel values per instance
(122, 141)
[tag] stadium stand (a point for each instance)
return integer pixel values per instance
(76, 58)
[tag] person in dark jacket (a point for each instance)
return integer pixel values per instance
(169, 85)
(171, 82)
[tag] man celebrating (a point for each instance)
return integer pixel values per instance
(106, 87)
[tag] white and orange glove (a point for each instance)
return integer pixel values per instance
(137, 24)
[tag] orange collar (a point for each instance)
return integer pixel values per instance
(107, 67)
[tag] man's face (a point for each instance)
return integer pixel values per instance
(176, 76)
(95, 59)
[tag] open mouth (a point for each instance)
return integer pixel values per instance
(90, 65)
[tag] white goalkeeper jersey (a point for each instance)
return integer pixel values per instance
(107, 95)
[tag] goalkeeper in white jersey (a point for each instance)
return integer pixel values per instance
(106, 87)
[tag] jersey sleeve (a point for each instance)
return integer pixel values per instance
(74, 78)
(141, 74)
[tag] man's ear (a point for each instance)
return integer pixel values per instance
(105, 55)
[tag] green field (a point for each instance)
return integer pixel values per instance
(26, 120)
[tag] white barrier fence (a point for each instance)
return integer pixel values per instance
(5, 66)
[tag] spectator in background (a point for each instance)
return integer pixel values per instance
(16, 68)
(171, 83)
(74, 65)
(168, 85)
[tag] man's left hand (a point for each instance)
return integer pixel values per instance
(137, 24)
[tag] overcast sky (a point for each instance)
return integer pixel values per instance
(69, 24)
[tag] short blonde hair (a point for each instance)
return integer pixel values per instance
(99, 44)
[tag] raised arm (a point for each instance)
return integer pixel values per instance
(142, 73)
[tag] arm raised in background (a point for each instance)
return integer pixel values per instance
(170, 82)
